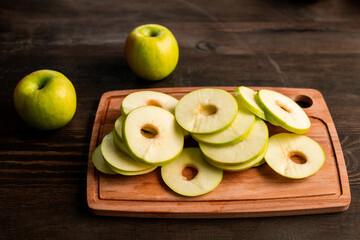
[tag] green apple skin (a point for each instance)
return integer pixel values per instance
(151, 51)
(118, 127)
(45, 99)
(247, 98)
(116, 159)
(143, 98)
(120, 144)
(132, 173)
(100, 163)
(206, 111)
(271, 120)
(260, 163)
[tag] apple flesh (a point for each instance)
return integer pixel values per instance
(143, 98)
(206, 111)
(241, 166)
(152, 135)
(246, 97)
(284, 111)
(45, 99)
(120, 144)
(118, 127)
(238, 130)
(151, 51)
(133, 173)
(117, 159)
(284, 146)
(260, 163)
(246, 150)
(100, 163)
(205, 179)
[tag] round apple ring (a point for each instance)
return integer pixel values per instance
(152, 135)
(283, 147)
(205, 179)
(100, 163)
(283, 111)
(148, 98)
(206, 111)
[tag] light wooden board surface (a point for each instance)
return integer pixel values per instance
(252, 193)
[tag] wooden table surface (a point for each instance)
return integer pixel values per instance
(276, 43)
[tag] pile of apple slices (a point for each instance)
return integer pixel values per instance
(144, 137)
(230, 137)
(230, 131)
(282, 111)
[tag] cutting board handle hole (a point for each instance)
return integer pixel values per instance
(303, 101)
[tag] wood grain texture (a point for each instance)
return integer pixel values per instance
(251, 193)
(276, 43)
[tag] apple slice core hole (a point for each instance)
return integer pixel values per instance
(208, 110)
(149, 131)
(189, 172)
(303, 101)
(297, 157)
(283, 106)
(153, 102)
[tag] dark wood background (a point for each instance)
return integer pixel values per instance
(278, 43)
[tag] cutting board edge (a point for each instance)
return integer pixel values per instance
(104, 209)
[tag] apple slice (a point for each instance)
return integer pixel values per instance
(117, 159)
(239, 129)
(241, 166)
(144, 98)
(246, 97)
(120, 144)
(206, 111)
(260, 163)
(283, 147)
(152, 135)
(100, 163)
(203, 178)
(284, 111)
(248, 149)
(133, 173)
(118, 126)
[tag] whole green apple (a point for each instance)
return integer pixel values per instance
(45, 99)
(151, 51)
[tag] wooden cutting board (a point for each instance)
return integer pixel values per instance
(252, 193)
